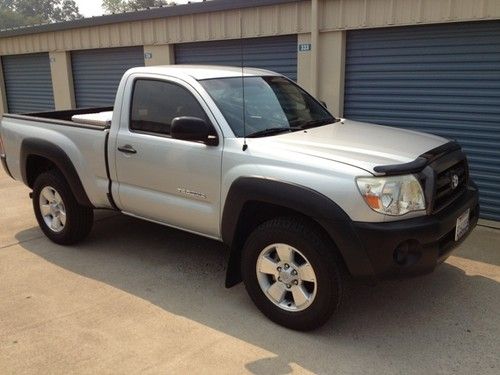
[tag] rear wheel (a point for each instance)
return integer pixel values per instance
(57, 211)
(292, 273)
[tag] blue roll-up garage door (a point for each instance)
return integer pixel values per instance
(97, 73)
(274, 53)
(28, 83)
(441, 79)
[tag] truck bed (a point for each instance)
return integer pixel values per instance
(64, 117)
(84, 144)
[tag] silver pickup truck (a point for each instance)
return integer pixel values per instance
(302, 199)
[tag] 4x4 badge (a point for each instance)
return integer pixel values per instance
(454, 181)
(192, 193)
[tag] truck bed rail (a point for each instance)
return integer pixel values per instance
(62, 117)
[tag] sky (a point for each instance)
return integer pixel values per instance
(89, 8)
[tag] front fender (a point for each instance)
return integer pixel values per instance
(298, 198)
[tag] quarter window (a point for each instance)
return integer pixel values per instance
(156, 103)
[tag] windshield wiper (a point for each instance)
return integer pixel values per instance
(313, 123)
(269, 131)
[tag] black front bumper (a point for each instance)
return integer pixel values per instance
(415, 246)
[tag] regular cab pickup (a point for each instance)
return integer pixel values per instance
(248, 158)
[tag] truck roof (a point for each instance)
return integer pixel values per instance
(200, 72)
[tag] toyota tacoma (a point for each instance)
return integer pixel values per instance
(247, 157)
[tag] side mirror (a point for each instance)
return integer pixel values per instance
(191, 129)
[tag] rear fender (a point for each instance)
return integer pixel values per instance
(56, 155)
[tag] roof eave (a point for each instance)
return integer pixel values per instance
(167, 11)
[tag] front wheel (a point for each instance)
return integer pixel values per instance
(57, 211)
(292, 273)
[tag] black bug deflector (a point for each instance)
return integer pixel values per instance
(419, 163)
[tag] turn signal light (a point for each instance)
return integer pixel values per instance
(372, 201)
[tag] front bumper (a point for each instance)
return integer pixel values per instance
(415, 246)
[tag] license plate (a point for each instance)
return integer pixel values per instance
(462, 225)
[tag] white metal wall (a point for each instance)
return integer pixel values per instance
(281, 19)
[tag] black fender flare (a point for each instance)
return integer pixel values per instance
(308, 202)
(53, 153)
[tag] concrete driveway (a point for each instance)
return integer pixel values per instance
(139, 297)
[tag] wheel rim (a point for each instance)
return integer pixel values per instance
(286, 277)
(52, 209)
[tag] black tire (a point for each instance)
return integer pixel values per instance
(322, 255)
(79, 219)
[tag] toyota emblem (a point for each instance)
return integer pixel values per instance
(454, 181)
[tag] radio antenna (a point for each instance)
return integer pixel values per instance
(245, 146)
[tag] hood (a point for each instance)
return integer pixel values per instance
(359, 144)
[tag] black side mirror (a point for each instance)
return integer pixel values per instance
(191, 129)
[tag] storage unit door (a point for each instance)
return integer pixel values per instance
(97, 73)
(274, 53)
(441, 79)
(28, 83)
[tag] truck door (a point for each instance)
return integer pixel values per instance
(171, 181)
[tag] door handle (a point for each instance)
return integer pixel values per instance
(128, 149)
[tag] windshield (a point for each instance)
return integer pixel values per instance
(272, 105)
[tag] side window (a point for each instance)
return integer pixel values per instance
(156, 103)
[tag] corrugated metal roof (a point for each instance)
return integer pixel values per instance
(146, 14)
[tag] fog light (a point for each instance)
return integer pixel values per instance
(407, 253)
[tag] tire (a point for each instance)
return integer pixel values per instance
(52, 194)
(308, 244)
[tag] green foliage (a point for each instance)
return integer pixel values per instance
(9, 18)
(114, 6)
(143, 4)
(28, 12)
(68, 10)
(117, 6)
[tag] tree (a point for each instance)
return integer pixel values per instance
(114, 6)
(69, 11)
(27, 12)
(144, 4)
(8, 19)
(117, 6)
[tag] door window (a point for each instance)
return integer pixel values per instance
(156, 103)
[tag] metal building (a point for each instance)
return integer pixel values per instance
(28, 82)
(97, 73)
(429, 65)
(441, 79)
(277, 53)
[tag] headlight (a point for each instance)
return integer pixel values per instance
(392, 195)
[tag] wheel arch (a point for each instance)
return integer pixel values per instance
(243, 210)
(39, 155)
